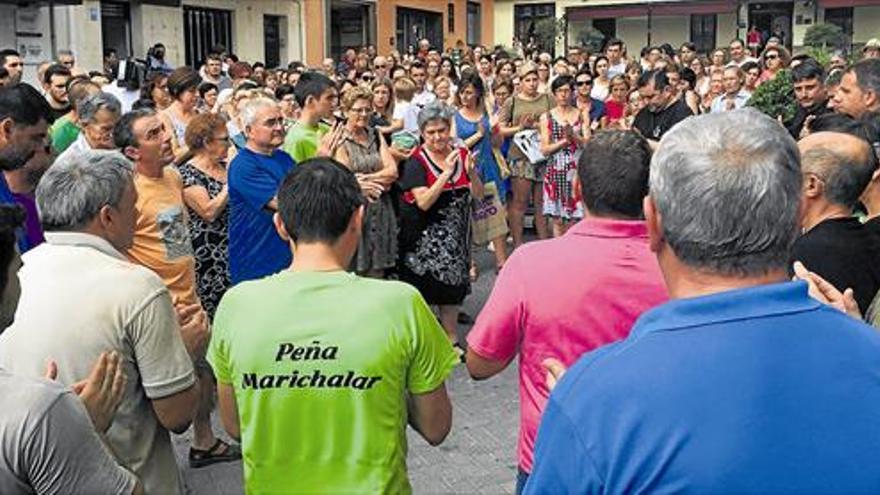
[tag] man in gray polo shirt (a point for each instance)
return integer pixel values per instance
(80, 297)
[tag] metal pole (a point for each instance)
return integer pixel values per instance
(650, 21)
(52, 28)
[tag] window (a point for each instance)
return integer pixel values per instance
(842, 17)
(415, 24)
(703, 32)
(450, 18)
(473, 23)
(204, 28)
(526, 17)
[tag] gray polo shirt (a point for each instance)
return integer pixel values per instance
(81, 297)
(49, 445)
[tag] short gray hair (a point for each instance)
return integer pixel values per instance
(89, 106)
(252, 107)
(727, 187)
(436, 110)
(75, 188)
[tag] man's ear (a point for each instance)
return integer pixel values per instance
(131, 153)
(105, 217)
(357, 219)
(654, 224)
(280, 228)
(6, 129)
(813, 186)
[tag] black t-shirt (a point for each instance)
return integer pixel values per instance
(800, 118)
(654, 125)
(57, 113)
(845, 253)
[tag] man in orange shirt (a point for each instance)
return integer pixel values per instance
(162, 244)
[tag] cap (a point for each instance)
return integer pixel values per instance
(872, 43)
(527, 68)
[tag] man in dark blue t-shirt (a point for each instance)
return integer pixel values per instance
(255, 249)
(742, 383)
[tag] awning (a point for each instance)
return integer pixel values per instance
(833, 4)
(656, 9)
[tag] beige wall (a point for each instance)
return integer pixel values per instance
(866, 24)
(503, 22)
(725, 29)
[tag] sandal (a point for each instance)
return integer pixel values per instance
(460, 351)
(474, 273)
(219, 452)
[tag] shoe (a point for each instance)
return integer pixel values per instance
(219, 452)
(460, 351)
(464, 318)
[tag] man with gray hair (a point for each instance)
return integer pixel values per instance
(81, 297)
(96, 115)
(837, 169)
(743, 383)
(255, 249)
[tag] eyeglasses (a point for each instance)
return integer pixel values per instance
(222, 139)
(584, 83)
(771, 56)
(383, 66)
(362, 110)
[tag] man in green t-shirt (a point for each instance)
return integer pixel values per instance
(310, 136)
(319, 370)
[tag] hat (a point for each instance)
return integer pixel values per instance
(872, 43)
(526, 68)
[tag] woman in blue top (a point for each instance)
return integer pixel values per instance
(472, 126)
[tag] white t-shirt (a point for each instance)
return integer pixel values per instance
(409, 114)
(81, 297)
(126, 97)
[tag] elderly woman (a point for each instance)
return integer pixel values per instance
(206, 196)
(97, 114)
(435, 215)
(773, 60)
(365, 153)
(183, 86)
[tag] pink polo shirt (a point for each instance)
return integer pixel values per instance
(561, 298)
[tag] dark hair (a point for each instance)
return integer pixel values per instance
(689, 75)
(690, 46)
(205, 87)
(152, 80)
(596, 63)
(9, 52)
(418, 64)
(560, 82)
(312, 84)
(843, 124)
(123, 131)
(867, 74)
(751, 64)
(257, 65)
(503, 82)
(808, 69)
(11, 219)
(454, 75)
(200, 130)
(316, 200)
(658, 76)
(182, 79)
(613, 42)
(473, 79)
(295, 66)
(613, 172)
(24, 105)
(283, 90)
(55, 70)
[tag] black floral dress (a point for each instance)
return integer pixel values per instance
(210, 242)
(435, 244)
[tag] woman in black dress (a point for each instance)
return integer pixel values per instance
(435, 216)
(206, 195)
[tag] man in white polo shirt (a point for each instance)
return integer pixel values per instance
(81, 297)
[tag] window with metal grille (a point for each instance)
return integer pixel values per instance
(202, 30)
(703, 32)
(525, 17)
(474, 19)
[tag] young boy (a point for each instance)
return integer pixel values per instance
(317, 98)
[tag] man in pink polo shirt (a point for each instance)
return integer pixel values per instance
(563, 297)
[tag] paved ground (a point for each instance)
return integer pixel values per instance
(479, 456)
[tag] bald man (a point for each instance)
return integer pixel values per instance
(836, 168)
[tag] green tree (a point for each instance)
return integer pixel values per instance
(825, 36)
(776, 97)
(549, 30)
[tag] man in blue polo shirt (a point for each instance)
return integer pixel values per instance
(255, 249)
(742, 383)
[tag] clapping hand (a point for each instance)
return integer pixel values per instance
(824, 292)
(102, 391)
(555, 370)
(371, 189)
(330, 141)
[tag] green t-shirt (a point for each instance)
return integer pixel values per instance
(63, 133)
(320, 363)
(302, 141)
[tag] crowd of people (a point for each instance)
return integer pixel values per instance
(292, 246)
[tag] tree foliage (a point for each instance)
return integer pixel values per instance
(824, 36)
(776, 97)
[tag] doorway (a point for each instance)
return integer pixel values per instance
(351, 26)
(414, 24)
(272, 40)
(772, 19)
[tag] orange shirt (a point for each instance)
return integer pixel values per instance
(161, 237)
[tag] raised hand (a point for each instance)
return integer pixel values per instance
(194, 328)
(826, 293)
(102, 391)
(330, 141)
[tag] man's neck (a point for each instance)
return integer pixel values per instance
(151, 170)
(17, 182)
(58, 105)
(871, 199)
(260, 150)
(683, 281)
(819, 212)
(317, 257)
(309, 118)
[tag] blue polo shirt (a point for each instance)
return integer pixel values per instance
(255, 249)
(759, 390)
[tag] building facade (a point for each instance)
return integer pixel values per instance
(707, 23)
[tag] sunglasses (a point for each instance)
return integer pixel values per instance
(367, 78)
(771, 56)
(584, 83)
(380, 66)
